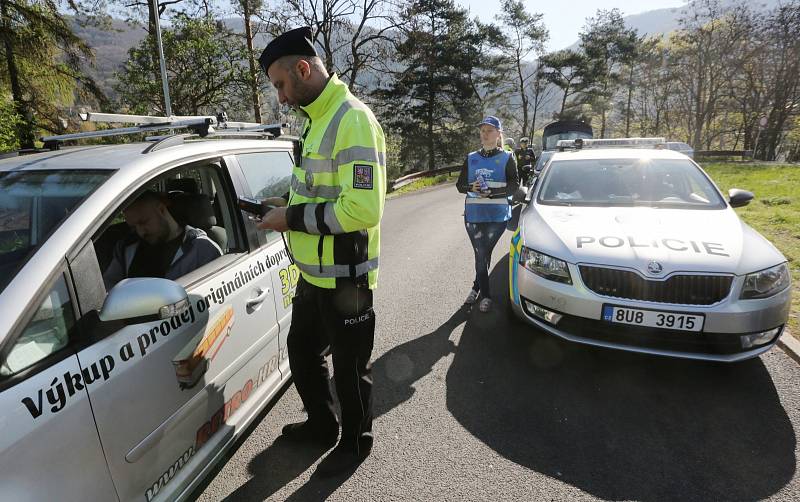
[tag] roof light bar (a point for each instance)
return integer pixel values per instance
(579, 143)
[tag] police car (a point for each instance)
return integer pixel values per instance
(135, 393)
(627, 245)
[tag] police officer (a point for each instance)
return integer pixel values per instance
(486, 208)
(525, 157)
(332, 220)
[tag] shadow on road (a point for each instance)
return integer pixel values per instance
(394, 374)
(276, 466)
(396, 371)
(618, 425)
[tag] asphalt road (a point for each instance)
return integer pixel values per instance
(470, 406)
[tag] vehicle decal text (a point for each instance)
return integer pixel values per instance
(63, 387)
(289, 277)
(165, 478)
(193, 360)
(679, 245)
(208, 429)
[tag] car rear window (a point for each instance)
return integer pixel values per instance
(32, 205)
(668, 183)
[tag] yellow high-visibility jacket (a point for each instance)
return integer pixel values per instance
(338, 191)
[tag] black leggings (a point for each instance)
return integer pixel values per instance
(484, 237)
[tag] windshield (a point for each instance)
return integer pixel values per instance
(32, 205)
(542, 160)
(552, 141)
(671, 183)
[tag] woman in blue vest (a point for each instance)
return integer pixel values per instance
(489, 178)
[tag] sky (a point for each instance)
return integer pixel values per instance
(565, 18)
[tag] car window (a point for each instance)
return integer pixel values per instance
(46, 333)
(32, 205)
(670, 183)
(196, 199)
(268, 174)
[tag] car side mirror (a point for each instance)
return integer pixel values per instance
(520, 195)
(537, 169)
(739, 198)
(144, 299)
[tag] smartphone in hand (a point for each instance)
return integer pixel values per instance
(254, 206)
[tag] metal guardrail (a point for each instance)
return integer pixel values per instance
(410, 178)
(745, 154)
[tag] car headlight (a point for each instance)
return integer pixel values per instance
(545, 265)
(766, 282)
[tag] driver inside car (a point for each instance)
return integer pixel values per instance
(159, 246)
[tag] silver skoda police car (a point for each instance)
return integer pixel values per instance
(135, 392)
(629, 246)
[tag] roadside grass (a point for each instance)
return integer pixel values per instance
(423, 183)
(774, 213)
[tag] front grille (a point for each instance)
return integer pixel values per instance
(678, 289)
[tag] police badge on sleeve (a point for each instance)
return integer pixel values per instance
(362, 176)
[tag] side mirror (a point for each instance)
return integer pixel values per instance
(739, 198)
(520, 195)
(144, 299)
(537, 169)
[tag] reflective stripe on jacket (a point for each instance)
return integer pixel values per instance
(337, 192)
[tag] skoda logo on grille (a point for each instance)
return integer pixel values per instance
(654, 267)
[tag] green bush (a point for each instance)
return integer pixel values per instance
(8, 126)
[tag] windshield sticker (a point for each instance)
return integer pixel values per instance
(679, 245)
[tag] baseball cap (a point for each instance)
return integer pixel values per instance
(492, 121)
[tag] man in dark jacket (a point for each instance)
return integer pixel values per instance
(525, 157)
(160, 247)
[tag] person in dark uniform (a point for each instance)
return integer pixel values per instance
(525, 157)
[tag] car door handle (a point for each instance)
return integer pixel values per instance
(257, 300)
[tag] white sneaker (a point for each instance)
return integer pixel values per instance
(486, 304)
(472, 297)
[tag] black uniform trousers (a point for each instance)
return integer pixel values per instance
(341, 322)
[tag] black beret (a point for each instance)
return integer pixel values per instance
(295, 42)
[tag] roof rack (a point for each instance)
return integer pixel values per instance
(579, 143)
(201, 126)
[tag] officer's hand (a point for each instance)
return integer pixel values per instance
(275, 220)
(274, 201)
(476, 187)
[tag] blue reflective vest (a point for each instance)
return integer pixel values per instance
(479, 209)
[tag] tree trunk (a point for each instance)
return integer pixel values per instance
(431, 101)
(251, 59)
(699, 108)
(628, 108)
(25, 128)
(523, 98)
(603, 123)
